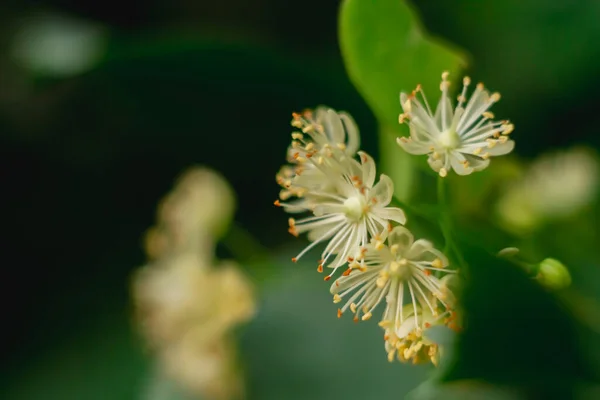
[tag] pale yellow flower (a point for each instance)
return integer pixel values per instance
(399, 270)
(356, 210)
(460, 138)
(192, 215)
(181, 293)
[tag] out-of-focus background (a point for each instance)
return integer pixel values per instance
(103, 105)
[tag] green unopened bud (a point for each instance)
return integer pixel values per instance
(553, 274)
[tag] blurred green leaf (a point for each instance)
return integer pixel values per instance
(386, 51)
(516, 333)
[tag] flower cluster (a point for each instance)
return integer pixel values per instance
(347, 207)
(351, 214)
(186, 303)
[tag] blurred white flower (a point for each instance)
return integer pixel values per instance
(348, 216)
(557, 185)
(187, 304)
(461, 139)
(403, 269)
(181, 292)
(193, 215)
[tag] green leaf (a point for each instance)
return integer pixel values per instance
(386, 51)
(516, 333)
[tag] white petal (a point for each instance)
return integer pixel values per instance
(383, 190)
(368, 169)
(409, 325)
(456, 160)
(443, 113)
(501, 149)
(476, 162)
(334, 127)
(414, 147)
(352, 133)
(322, 209)
(402, 237)
(423, 250)
(436, 165)
(392, 214)
(405, 106)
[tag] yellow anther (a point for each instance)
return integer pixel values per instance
(437, 263)
(386, 323)
(337, 298)
(379, 245)
(403, 262)
(503, 139)
(367, 316)
(381, 281)
(297, 136)
(445, 75)
(508, 129)
(394, 266)
(295, 144)
(310, 146)
(495, 97)
(297, 123)
(466, 81)
(488, 115)
(341, 146)
(402, 118)
(394, 249)
(485, 156)
(435, 155)
(407, 106)
(443, 172)
(391, 355)
(308, 128)
(477, 151)
(320, 160)
(491, 143)
(480, 86)
(353, 308)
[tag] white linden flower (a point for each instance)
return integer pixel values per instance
(462, 139)
(349, 215)
(404, 269)
(410, 342)
(322, 133)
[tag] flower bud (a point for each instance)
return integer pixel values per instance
(553, 274)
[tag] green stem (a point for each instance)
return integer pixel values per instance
(445, 221)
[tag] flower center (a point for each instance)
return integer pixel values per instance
(400, 268)
(354, 208)
(449, 139)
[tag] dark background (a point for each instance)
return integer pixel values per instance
(85, 157)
